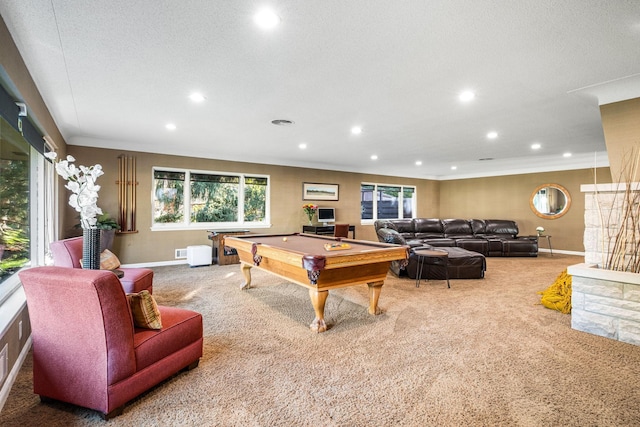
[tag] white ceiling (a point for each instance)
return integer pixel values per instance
(113, 73)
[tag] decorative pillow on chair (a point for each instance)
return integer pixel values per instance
(108, 260)
(145, 310)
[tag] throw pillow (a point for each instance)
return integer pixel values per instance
(145, 310)
(108, 260)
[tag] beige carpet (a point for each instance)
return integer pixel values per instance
(481, 353)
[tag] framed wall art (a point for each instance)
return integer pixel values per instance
(315, 191)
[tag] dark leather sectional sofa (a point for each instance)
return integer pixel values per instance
(490, 237)
(466, 241)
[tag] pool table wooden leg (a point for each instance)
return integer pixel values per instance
(246, 272)
(374, 294)
(318, 299)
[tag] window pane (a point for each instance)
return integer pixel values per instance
(366, 201)
(14, 200)
(169, 197)
(214, 198)
(388, 202)
(408, 201)
(255, 199)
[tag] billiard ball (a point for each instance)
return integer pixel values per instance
(284, 239)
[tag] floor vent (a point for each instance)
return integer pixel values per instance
(181, 253)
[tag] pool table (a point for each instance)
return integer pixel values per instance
(303, 259)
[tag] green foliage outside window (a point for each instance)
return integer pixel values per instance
(213, 198)
(255, 196)
(14, 202)
(169, 197)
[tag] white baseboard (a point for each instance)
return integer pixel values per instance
(560, 251)
(11, 378)
(154, 264)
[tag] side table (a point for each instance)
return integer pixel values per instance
(548, 242)
(119, 273)
(438, 258)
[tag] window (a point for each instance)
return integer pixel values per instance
(15, 163)
(198, 199)
(26, 205)
(378, 201)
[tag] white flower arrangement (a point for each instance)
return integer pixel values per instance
(540, 230)
(82, 183)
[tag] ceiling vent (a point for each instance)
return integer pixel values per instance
(484, 159)
(282, 122)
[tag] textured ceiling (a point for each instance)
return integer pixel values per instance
(114, 73)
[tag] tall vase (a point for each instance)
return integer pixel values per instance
(91, 248)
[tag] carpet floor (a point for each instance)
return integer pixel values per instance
(484, 352)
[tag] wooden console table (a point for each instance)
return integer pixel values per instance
(220, 254)
(326, 230)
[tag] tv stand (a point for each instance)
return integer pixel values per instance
(327, 230)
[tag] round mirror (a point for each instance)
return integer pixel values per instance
(550, 201)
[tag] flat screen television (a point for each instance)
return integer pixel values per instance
(326, 215)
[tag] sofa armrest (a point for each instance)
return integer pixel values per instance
(387, 235)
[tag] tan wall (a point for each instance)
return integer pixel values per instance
(621, 126)
(507, 197)
(495, 197)
(286, 199)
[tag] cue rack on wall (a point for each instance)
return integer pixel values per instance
(127, 184)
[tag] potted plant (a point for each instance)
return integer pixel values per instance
(108, 227)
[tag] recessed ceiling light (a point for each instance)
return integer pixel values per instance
(535, 146)
(466, 96)
(266, 19)
(454, 168)
(196, 97)
(566, 155)
(302, 146)
(356, 130)
(170, 126)
(374, 157)
(418, 163)
(492, 135)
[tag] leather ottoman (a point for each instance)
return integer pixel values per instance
(462, 264)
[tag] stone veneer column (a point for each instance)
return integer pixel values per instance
(600, 208)
(604, 302)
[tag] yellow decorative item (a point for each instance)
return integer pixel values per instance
(336, 246)
(558, 295)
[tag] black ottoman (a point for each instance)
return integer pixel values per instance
(462, 264)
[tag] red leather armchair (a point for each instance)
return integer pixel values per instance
(68, 253)
(86, 350)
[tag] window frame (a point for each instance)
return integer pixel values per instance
(402, 188)
(187, 224)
